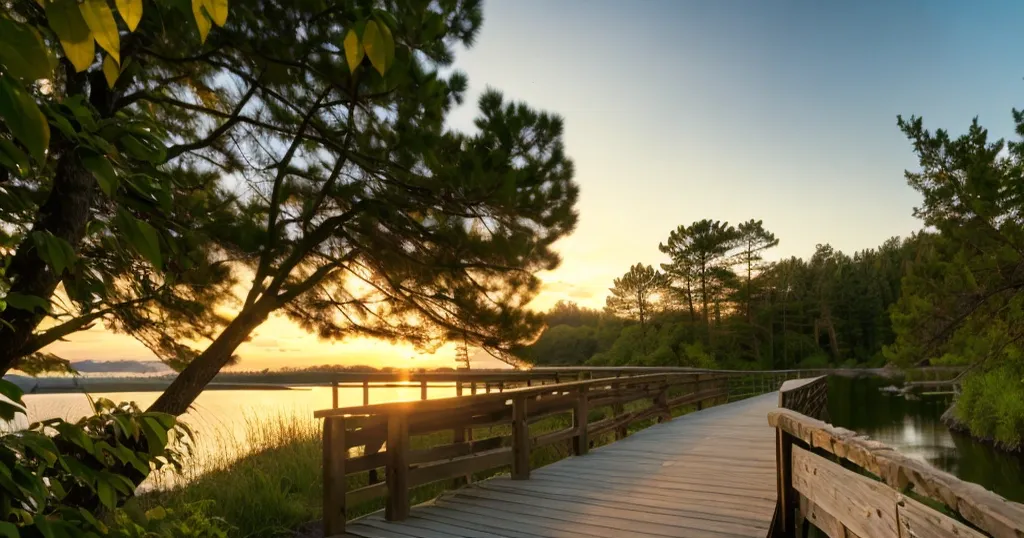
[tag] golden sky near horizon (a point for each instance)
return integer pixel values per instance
(280, 343)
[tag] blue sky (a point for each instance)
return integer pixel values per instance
(680, 110)
(777, 110)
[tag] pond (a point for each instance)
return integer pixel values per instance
(914, 427)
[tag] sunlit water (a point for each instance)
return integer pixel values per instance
(914, 428)
(224, 420)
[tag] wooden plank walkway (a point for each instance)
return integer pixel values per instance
(706, 474)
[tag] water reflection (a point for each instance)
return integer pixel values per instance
(914, 428)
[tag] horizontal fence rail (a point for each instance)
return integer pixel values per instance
(743, 383)
(816, 487)
(368, 438)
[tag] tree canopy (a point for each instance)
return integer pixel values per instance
(635, 294)
(298, 153)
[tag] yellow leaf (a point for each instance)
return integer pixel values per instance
(131, 12)
(353, 50)
(373, 42)
(202, 20)
(75, 37)
(100, 18)
(111, 70)
(218, 10)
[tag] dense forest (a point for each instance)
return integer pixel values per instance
(717, 302)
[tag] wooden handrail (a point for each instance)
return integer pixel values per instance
(463, 401)
(504, 380)
(837, 500)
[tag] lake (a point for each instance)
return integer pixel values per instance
(914, 428)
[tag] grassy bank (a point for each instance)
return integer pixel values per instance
(991, 406)
(276, 489)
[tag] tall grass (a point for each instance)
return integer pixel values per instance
(274, 488)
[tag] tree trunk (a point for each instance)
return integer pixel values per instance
(193, 379)
(704, 295)
(64, 214)
(689, 299)
(748, 286)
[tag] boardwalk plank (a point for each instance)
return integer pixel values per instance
(709, 474)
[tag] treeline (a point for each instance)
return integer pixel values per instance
(716, 302)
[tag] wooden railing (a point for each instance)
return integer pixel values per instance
(816, 487)
(471, 382)
(507, 426)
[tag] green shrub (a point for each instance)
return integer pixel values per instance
(991, 405)
(59, 478)
(186, 521)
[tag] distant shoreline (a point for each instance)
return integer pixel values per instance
(86, 386)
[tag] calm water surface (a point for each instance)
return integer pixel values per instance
(228, 423)
(914, 428)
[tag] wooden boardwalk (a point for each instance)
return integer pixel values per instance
(705, 474)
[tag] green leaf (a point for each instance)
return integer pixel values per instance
(41, 445)
(23, 117)
(44, 526)
(56, 252)
(379, 46)
(354, 51)
(140, 150)
(111, 70)
(202, 19)
(155, 434)
(100, 19)
(74, 434)
(8, 411)
(92, 520)
(75, 36)
(131, 12)
(156, 514)
(104, 172)
(141, 236)
(22, 301)
(107, 494)
(13, 158)
(8, 530)
(22, 51)
(11, 391)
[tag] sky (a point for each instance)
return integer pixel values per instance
(680, 110)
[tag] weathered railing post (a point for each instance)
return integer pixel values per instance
(423, 389)
(661, 402)
(366, 392)
(334, 456)
(617, 411)
(334, 394)
(397, 472)
(786, 522)
(696, 390)
(580, 441)
(520, 439)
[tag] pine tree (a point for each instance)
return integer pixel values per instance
(635, 295)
